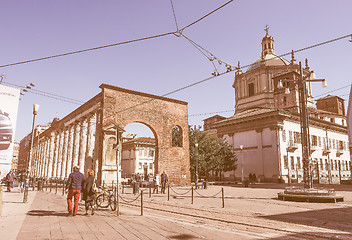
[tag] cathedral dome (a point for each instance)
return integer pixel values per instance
(268, 60)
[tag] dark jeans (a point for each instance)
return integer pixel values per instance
(89, 204)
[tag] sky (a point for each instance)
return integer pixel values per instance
(35, 29)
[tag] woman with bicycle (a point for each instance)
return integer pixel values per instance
(89, 196)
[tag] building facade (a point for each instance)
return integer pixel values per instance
(265, 130)
(138, 156)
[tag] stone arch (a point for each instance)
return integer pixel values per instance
(120, 107)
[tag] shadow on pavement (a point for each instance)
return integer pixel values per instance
(182, 236)
(313, 235)
(41, 213)
(330, 218)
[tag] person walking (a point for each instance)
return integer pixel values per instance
(23, 176)
(89, 192)
(74, 186)
(156, 183)
(10, 177)
(164, 180)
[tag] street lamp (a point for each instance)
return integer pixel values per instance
(196, 145)
(241, 147)
(25, 195)
(302, 91)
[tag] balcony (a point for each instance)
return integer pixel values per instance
(326, 151)
(292, 146)
(339, 152)
(313, 148)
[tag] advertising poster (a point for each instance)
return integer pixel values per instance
(9, 98)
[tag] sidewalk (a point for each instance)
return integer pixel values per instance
(46, 219)
(14, 212)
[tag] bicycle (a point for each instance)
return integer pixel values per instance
(106, 198)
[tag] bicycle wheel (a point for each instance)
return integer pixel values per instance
(113, 203)
(103, 200)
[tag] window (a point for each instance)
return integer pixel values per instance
(333, 143)
(283, 135)
(321, 164)
(326, 165)
(292, 162)
(285, 100)
(250, 89)
(290, 136)
(140, 165)
(314, 140)
(150, 166)
(285, 162)
(151, 153)
(176, 136)
(319, 141)
(297, 137)
(298, 163)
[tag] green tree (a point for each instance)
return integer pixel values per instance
(212, 153)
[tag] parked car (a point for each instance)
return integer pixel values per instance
(5, 131)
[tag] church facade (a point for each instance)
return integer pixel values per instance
(265, 130)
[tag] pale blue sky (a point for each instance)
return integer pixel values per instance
(32, 29)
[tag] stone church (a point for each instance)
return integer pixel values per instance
(265, 130)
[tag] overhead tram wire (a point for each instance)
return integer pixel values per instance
(334, 90)
(228, 71)
(173, 11)
(114, 44)
(205, 15)
(87, 50)
(47, 94)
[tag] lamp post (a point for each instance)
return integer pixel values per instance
(25, 195)
(304, 118)
(241, 147)
(196, 145)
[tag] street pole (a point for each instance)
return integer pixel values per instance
(304, 118)
(196, 180)
(25, 194)
(241, 147)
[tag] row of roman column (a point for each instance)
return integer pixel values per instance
(55, 156)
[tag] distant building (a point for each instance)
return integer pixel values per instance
(24, 147)
(265, 129)
(349, 122)
(16, 147)
(138, 156)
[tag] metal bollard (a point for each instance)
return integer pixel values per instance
(168, 192)
(51, 183)
(192, 196)
(150, 191)
(55, 186)
(223, 198)
(63, 187)
(142, 203)
(123, 188)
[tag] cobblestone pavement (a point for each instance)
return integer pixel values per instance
(249, 213)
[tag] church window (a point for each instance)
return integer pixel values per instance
(176, 136)
(285, 100)
(297, 137)
(298, 163)
(326, 165)
(251, 89)
(314, 140)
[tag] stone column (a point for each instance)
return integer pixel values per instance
(64, 153)
(82, 145)
(46, 157)
(98, 145)
(260, 159)
(76, 144)
(90, 144)
(56, 153)
(70, 150)
(40, 159)
(59, 157)
(51, 155)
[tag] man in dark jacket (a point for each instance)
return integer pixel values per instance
(10, 177)
(74, 186)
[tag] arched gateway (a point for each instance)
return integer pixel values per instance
(91, 135)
